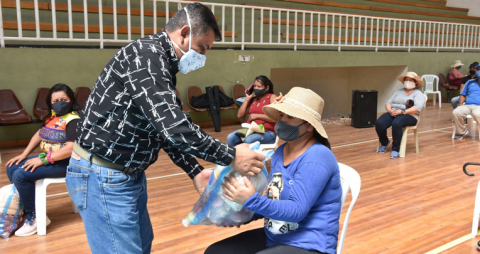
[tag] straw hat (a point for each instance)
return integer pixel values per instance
(457, 63)
(300, 103)
(413, 75)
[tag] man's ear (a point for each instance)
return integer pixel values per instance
(184, 32)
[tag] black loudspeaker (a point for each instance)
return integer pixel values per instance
(364, 108)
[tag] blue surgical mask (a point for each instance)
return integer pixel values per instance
(459, 67)
(191, 60)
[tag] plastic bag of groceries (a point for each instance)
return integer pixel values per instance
(11, 210)
(214, 209)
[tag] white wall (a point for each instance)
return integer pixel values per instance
(473, 5)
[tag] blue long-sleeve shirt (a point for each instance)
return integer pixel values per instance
(303, 201)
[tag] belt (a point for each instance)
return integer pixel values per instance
(99, 161)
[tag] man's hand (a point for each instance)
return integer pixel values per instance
(246, 161)
(201, 180)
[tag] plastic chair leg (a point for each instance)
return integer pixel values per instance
(439, 100)
(403, 144)
(74, 207)
(476, 212)
(416, 140)
(41, 207)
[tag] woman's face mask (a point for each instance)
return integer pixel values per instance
(260, 92)
(191, 60)
(61, 107)
(408, 84)
(288, 132)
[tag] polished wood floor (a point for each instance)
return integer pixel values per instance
(407, 205)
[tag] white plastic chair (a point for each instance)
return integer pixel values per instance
(350, 180)
(476, 213)
(430, 81)
(41, 202)
(471, 126)
(264, 146)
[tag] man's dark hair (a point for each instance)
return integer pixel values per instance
(201, 19)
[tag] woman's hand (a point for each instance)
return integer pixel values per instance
(248, 97)
(237, 192)
(32, 164)
(16, 160)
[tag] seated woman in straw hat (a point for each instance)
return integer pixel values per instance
(403, 109)
(302, 204)
(454, 75)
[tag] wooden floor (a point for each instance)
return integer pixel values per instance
(407, 205)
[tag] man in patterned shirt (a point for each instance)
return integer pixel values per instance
(131, 114)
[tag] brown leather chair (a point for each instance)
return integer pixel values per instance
(233, 106)
(184, 107)
(11, 110)
(194, 91)
(238, 91)
(442, 81)
(40, 107)
(81, 95)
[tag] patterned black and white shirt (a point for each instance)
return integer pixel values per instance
(133, 112)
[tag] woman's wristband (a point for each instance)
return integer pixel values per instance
(42, 158)
(49, 158)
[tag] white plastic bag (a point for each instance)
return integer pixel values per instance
(214, 209)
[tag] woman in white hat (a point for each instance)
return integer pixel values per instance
(454, 75)
(302, 204)
(403, 109)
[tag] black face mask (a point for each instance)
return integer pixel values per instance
(260, 92)
(288, 132)
(61, 107)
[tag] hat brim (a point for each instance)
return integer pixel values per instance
(274, 110)
(419, 80)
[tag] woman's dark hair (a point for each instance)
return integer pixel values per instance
(265, 82)
(57, 88)
(321, 139)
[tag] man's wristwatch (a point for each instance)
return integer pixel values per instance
(403, 112)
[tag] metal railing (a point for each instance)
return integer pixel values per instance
(241, 25)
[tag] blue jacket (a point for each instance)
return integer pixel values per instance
(303, 201)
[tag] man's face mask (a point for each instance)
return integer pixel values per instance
(191, 60)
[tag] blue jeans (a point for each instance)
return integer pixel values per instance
(265, 138)
(24, 181)
(113, 207)
(397, 123)
(454, 101)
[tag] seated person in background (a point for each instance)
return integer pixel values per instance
(454, 75)
(403, 109)
(471, 75)
(469, 104)
(263, 89)
(56, 139)
(303, 198)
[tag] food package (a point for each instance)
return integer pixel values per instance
(214, 209)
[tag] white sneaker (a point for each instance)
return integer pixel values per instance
(27, 229)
